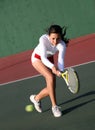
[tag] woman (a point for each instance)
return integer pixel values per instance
(42, 61)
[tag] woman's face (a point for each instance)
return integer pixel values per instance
(54, 38)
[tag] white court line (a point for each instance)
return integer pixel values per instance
(40, 75)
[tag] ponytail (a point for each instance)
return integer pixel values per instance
(64, 38)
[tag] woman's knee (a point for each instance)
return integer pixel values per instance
(50, 77)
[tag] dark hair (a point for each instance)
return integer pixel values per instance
(59, 30)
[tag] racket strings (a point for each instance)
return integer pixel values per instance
(72, 79)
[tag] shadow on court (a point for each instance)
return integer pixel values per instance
(78, 109)
(80, 104)
(76, 106)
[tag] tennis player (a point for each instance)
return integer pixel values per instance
(42, 60)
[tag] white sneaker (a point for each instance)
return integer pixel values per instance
(37, 105)
(56, 112)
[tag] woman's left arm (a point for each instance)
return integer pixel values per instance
(61, 55)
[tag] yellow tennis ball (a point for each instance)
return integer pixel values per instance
(29, 108)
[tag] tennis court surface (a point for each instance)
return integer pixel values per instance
(78, 110)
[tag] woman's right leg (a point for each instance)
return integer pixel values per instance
(50, 81)
(44, 92)
(48, 90)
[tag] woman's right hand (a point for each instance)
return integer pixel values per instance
(56, 72)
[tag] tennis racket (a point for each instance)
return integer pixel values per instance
(71, 80)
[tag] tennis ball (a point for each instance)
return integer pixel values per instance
(29, 108)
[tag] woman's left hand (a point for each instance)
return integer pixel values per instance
(58, 73)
